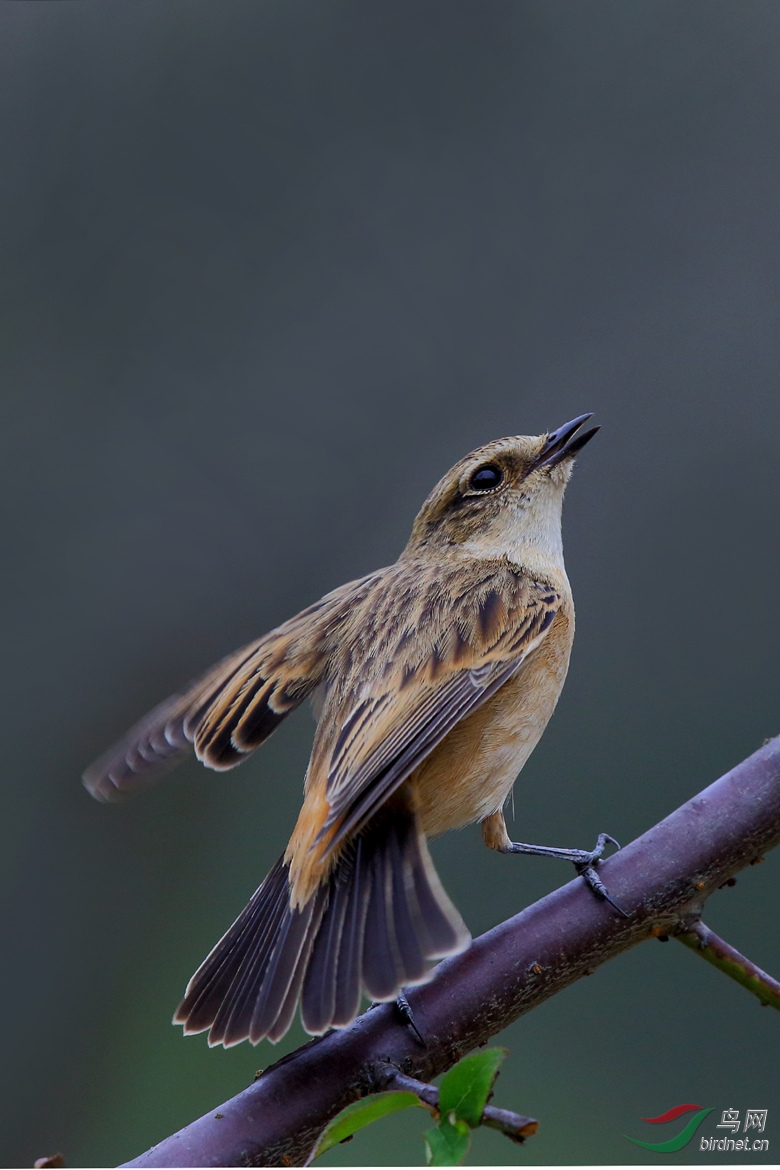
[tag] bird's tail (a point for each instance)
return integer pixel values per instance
(372, 927)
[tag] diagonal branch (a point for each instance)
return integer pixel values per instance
(715, 950)
(662, 878)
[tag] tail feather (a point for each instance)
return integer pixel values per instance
(380, 969)
(287, 1008)
(373, 927)
(318, 1004)
(440, 931)
(350, 960)
(287, 967)
(407, 923)
(214, 991)
(234, 1016)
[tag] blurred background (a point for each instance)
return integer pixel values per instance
(270, 267)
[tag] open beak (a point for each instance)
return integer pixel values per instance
(562, 444)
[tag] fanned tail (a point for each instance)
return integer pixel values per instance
(373, 927)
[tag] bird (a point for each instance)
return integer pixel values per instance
(432, 680)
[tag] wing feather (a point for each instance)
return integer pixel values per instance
(235, 706)
(398, 720)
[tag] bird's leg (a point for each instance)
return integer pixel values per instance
(495, 836)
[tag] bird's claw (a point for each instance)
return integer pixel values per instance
(588, 858)
(404, 1010)
(586, 868)
(583, 860)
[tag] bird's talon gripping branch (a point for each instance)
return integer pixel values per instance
(403, 1007)
(587, 869)
(601, 844)
(496, 837)
(588, 872)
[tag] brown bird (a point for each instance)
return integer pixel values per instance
(433, 680)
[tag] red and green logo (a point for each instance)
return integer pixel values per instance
(682, 1138)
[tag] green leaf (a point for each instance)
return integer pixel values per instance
(447, 1144)
(359, 1114)
(465, 1088)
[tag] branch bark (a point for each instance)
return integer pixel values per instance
(715, 950)
(662, 879)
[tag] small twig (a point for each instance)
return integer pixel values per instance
(715, 950)
(513, 1125)
(516, 1127)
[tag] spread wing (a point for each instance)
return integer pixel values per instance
(480, 639)
(236, 705)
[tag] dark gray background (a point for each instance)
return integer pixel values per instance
(268, 269)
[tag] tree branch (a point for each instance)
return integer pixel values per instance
(512, 1125)
(715, 950)
(662, 878)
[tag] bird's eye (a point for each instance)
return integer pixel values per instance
(486, 478)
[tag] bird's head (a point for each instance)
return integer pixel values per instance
(504, 499)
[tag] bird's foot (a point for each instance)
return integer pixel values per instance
(584, 862)
(586, 868)
(404, 1010)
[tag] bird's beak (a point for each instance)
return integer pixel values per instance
(562, 444)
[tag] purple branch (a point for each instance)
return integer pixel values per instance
(715, 950)
(663, 879)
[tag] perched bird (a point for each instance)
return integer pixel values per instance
(432, 680)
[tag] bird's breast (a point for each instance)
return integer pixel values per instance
(471, 773)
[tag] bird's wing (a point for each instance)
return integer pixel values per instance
(236, 705)
(482, 638)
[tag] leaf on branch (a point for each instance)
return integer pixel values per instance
(465, 1089)
(463, 1095)
(448, 1143)
(360, 1114)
